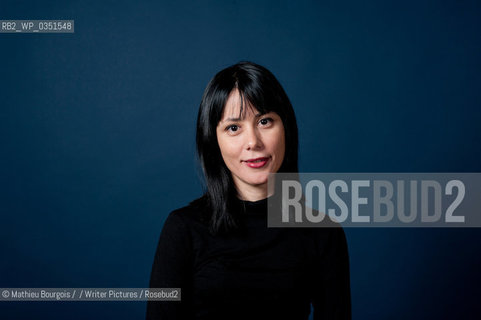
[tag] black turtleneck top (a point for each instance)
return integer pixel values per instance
(259, 273)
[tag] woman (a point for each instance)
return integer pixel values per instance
(218, 249)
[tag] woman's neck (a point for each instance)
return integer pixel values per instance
(252, 193)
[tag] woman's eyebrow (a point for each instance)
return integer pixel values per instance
(239, 119)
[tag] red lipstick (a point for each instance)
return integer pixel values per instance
(257, 162)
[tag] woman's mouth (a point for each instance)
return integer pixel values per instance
(257, 162)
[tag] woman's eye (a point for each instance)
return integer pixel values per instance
(232, 128)
(265, 121)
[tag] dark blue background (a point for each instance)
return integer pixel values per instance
(97, 134)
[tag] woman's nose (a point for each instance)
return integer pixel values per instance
(254, 140)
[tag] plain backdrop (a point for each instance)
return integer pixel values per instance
(97, 132)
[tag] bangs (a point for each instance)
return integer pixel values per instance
(247, 103)
(249, 100)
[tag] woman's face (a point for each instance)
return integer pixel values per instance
(252, 146)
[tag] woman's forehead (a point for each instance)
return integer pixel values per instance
(236, 113)
(238, 107)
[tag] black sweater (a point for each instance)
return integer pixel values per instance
(258, 273)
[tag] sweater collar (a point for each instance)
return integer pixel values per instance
(253, 207)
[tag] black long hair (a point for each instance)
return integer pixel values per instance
(261, 89)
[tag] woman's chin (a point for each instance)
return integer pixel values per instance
(257, 181)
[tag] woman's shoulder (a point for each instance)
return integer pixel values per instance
(195, 211)
(198, 204)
